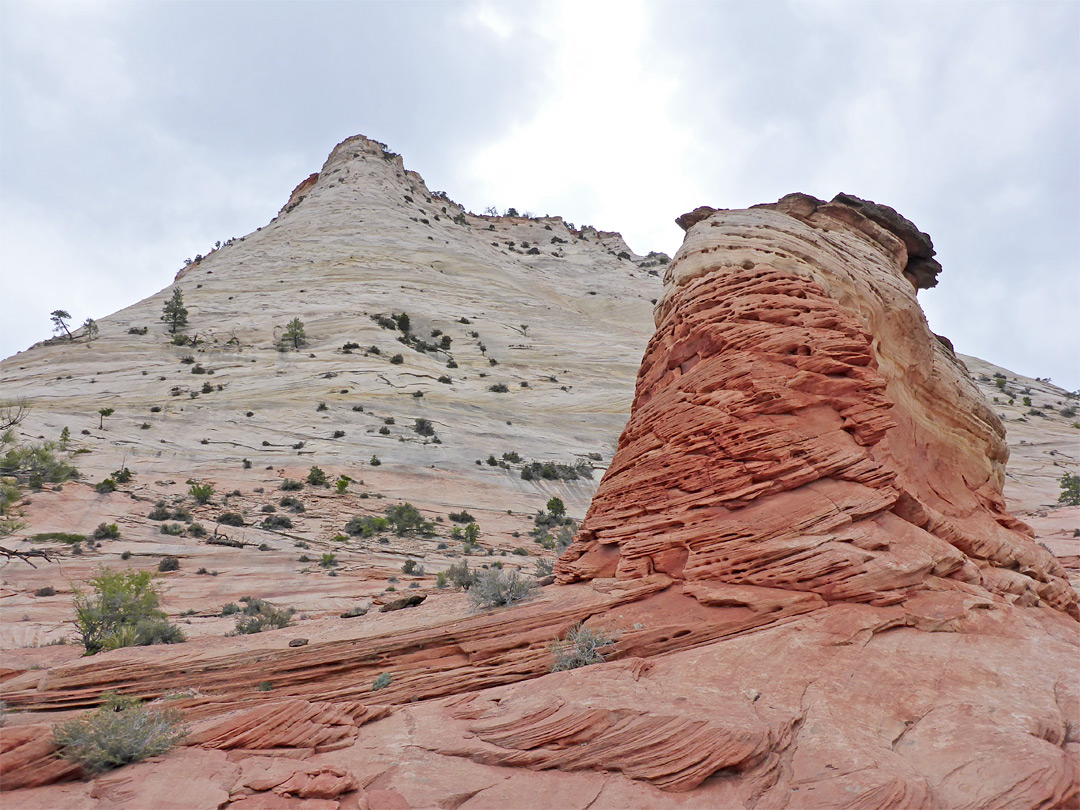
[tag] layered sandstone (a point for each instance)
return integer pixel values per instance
(801, 546)
(796, 425)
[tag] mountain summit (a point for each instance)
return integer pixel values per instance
(796, 580)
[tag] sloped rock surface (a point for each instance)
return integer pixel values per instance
(797, 426)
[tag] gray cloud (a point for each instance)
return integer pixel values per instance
(135, 134)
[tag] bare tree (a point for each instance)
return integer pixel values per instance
(11, 413)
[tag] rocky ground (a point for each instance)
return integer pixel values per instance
(720, 692)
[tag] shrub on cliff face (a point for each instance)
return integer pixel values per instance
(119, 732)
(580, 648)
(259, 615)
(1070, 490)
(123, 611)
(497, 587)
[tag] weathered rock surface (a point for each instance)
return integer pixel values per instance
(797, 426)
(802, 547)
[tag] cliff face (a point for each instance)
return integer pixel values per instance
(796, 425)
(816, 594)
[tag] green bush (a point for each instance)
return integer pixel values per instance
(461, 517)
(423, 427)
(580, 648)
(123, 611)
(201, 493)
(107, 531)
(381, 682)
(277, 522)
(553, 471)
(123, 476)
(497, 587)
(1070, 490)
(174, 529)
(366, 525)
(119, 732)
(231, 519)
(460, 576)
(544, 568)
(328, 560)
(316, 477)
(259, 615)
(106, 486)
(406, 519)
(169, 564)
(291, 486)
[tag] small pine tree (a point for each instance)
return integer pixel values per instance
(90, 327)
(60, 317)
(103, 413)
(294, 333)
(174, 313)
(65, 437)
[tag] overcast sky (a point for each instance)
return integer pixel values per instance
(133, 135)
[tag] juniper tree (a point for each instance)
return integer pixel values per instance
(174, 313)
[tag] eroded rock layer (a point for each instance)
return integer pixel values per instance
(797, 426)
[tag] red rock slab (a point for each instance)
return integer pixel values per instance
(28, 758)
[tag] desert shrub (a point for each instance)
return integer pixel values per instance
(500, 588)
(123, 611)
(366, 525)
(173, 529)
(544, 568)
(521, 552)
(328, 560)
(460, 576)
(353, 612)
(423, 427)
(498, 388)
(29, 463)
(406, 519)
(259, 615)
(123, 475)
(316, 477)
(292, 503)
(461, 517)
(106, 486)
(48, 590)
(159, 512)
(381, 682)
(397, 359)
(338, 434)
(107, 531)
(125, 555)
(268, 508)
(231, 519)
(229, 609)
(553, 471)
(277, 522)
(1070, 490)
(375, 462)
(201, 493)
(291, 486)
(119, 732)
(169, 564)
(412, 568)
(342, 484)
(196, 529)
(580, 648)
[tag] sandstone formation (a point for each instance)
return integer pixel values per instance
(802, 548)
(796, 425)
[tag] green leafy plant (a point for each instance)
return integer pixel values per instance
(1070, 490)
(381, 682)
(174, 313)
(102, 413)
(316, 477)
(123, 611)
(107, 531)
(119, 732)
(201, 492)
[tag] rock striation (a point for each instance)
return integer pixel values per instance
(817, 595)
(797, 426)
